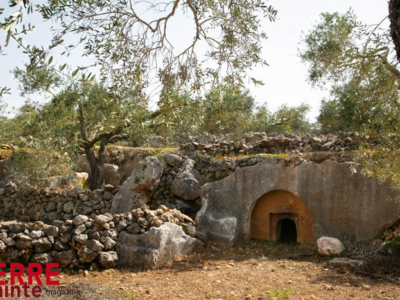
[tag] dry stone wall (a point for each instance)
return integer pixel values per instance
(26, 203)
(261, 142)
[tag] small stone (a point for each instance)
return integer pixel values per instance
(65, 238)
(42, 245)
(102, 220)
(79, 220)
(51, 231)
(23, 237)
(94, 245)
(134, 228)
(3, 246)
(80, 229)
(81, 238)
(38, 225)
(366, 287)
(109, 244)
(35, 234)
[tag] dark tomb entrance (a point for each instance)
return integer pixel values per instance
(287, 231)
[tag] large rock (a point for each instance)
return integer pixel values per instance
(275, 142)
(111, 175)
(328, 245)
(173, 159)
(138, 188)
(186, 184)
(65, 258)
(155, 248)
(108, 260)
(221, 231)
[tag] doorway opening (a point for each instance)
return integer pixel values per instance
(287, 231)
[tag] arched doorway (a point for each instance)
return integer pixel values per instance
(280, 216)
(286, 231)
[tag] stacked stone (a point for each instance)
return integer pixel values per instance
(261, 142)
(182, 178)
(140, 220)
(391, 235)
(81, 243)
(29, 204)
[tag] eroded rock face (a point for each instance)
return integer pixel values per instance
(156, 248)
(138, 188)
(186, 184)
(328, 245)
(332, 195)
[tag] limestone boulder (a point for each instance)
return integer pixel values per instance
(186, 183)
(173, 159)
(108, 259)
(111, 175)
(155, 248)
(138, 188)
(220, 230)
(186, 186)
(329, 245)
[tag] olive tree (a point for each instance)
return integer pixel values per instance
(359, 63)
(82, 115)
(129, 47)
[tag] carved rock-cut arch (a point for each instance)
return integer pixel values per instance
(275, 206)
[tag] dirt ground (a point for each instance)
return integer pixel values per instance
(261, 270)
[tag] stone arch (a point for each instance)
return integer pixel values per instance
(273, 207)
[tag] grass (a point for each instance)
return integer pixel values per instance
(280, 293)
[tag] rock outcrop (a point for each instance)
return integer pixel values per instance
(138, 188)
(156, 248)
(185, 184)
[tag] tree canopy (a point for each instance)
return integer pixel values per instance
(358, 61)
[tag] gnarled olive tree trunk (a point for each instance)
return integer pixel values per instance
(96, 163)
(394, 17)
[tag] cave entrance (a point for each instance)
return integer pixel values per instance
(286, 231)
(280, 216)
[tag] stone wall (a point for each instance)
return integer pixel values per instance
(91, 243)
(26, 203)
(261, 142)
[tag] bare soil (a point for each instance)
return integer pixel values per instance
(260, 270)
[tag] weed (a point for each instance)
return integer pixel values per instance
(280, 293)
(211, 295)
(137, 180)
(394, 243)
(85, 184)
